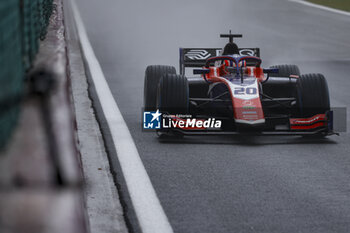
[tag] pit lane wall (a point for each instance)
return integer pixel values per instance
(23, 23)
(41, 181)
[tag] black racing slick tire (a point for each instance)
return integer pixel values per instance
(152, 76)
(285, 70)
(312, 95)
(173, 94)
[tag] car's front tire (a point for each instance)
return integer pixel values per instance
(285, 70)
(312, 95)
(152, 76)
(173, 94)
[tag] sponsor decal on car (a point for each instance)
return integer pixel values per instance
(247, 52)
(249, 107)
(300, 121)
(314, 122)
(198, 54)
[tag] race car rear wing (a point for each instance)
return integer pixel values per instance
(197, 57)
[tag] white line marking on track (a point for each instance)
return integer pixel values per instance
(321, 7)
(149, 212)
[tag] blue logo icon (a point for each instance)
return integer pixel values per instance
(151, 120)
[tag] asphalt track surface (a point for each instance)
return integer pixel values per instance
(232, 184)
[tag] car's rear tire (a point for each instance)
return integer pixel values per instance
(285, 70)
(152, 76)
(312, 95)
(173, 94)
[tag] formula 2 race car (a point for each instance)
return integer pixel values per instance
(234, 94)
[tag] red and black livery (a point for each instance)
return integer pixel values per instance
(231, 86)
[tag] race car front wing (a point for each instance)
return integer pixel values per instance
(320, 124)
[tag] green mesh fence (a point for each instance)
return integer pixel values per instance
(11, 68)
(22, 24)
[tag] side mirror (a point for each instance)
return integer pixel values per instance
(201, 71)
(271, 71)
